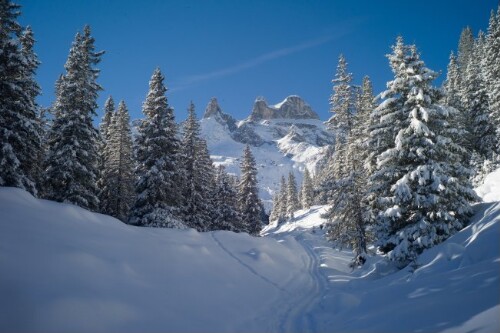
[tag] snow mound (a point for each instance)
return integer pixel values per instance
(454, 286)
(65, 269)
(489, 191)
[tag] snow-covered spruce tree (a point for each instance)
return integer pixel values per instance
(109, 110)
(457, 119)
(72, 161)
(20, 128)
(227, 216)
(341, 103)
(199, 176)
(27, 40)
(159, 181)
(475, 102)
(324, 180)
(347, 217)
(492, 71)
(292, 200)
(465, 49)
(118, 173)
(420, 208)
(276, 208)
(307, 190)
(248, 199)
(385, 122)
(283, 200)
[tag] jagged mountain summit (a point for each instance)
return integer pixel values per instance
(285, 137)
(293, 107)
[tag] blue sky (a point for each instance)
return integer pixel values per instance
(239, 50)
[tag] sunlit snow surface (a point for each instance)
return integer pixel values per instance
(68, 270)
(490, 189)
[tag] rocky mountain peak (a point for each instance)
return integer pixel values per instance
(293, 107)
(212, 108)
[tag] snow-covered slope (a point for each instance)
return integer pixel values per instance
(284, 137)
(490, 189)
(455, 287)
(64, 269)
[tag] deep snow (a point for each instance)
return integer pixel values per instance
(63, 268)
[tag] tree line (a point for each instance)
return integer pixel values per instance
(401, 172)
(163, 177)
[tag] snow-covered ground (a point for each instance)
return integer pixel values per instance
(63, 268)
(490, 189)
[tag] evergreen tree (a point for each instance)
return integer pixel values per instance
(465, 49)
(341, 104)
(347, 215)
(307, 190)
(158, 177)
(420, 206)
(275, 211)
(118, 174)
(386, 122)
(283, 200)
(457, 119)
(20, 129)
(226, 203)
(72, 162)
(492, 71)
(109, 110)
(292, 199)
(248, 200)
(475, 102)
(199, 176)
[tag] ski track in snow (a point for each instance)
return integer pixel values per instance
(249, 268)
(299, 317)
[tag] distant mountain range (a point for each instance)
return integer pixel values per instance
(284, 137)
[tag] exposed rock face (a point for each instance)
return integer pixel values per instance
(243, 133)
(213, 110)
(293, 107)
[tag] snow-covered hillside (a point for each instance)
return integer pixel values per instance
(286, 137)
(63, 268)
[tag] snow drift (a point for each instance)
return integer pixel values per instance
(63, 268)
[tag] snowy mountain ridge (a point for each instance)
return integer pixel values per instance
(285, 137)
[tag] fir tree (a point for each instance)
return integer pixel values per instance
(475, 102)
(226, 204)
(385, 122)
(283, 200)
(109, 110)
(199, 176)
(72, 161)
(275, 211)
(307, 190)
(420, 206)
(453, 97)
(248, 200)
(347, 217)
(118, 174)
(20, 129)
(158, 185)
(492, 71)
(341, 103)
(292, 200)
(465, 49)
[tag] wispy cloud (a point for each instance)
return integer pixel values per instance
(276, 54)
